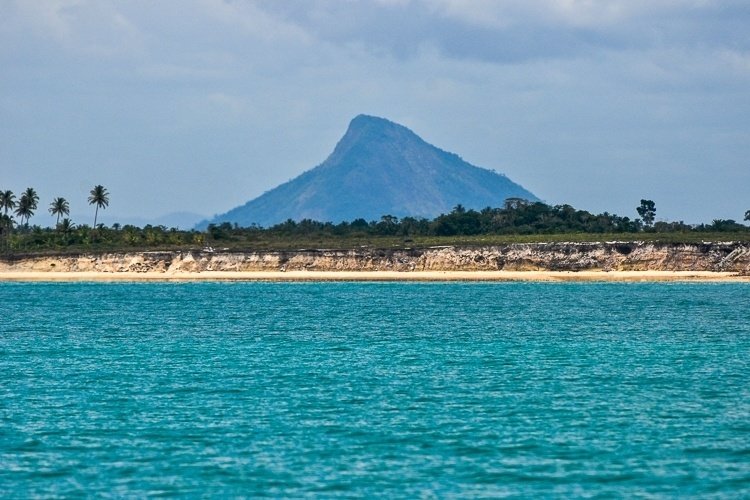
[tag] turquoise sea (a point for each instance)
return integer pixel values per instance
(375, 389)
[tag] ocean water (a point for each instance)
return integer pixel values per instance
(375, 389)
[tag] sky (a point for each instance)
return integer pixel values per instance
(201, 105)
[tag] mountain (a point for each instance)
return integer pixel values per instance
(379, 168)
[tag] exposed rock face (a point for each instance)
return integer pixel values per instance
(615, 256)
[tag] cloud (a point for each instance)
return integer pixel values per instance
(575, 99)
(596, 14)
(84, 27)
(176, 72)
(251, 20)
(45, 17)
(517, 30)
(226, 103)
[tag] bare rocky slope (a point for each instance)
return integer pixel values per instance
(612, 256)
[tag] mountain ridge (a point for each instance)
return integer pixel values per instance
(378, 168)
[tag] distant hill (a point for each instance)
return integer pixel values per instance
(379, 168)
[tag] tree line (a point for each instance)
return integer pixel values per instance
(515, 217)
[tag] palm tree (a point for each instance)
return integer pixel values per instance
(100, 198)
(7, 201)
(30, 193)
(27, 204)
(6, 223)
(59, 206)
(66, 226)
(25, 208)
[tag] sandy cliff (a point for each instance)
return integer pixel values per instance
(614, 256)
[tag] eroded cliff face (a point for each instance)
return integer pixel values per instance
(614, 256)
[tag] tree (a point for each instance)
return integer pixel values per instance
(7, 201)
(25, 208)
(5, 224)
(647, 211)
(726, 225)
(747, 215)
(59, 206)
(514, 203)
(388, 225)
(27, 205)
(33, 198)
(66, 226)
(100, 198)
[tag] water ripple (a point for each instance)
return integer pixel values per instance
(375, 389)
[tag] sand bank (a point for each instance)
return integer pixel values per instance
(629, 276)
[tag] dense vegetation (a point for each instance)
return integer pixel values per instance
(517, 221)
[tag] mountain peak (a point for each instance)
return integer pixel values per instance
(373, 125)
(367, 132)
(362, 121)
(379, 168)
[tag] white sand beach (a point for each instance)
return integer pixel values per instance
(629, 276)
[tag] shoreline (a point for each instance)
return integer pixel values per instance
(634, 261)
(382, 276)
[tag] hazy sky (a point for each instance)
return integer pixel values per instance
(201, 105)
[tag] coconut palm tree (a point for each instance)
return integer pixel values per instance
(59, 206)
(25, 208)
(7, 201)
(100, 198)
(27, 204)
(6, 223)
(66, 226)
(30, 193)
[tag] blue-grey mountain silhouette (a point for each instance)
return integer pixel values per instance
(379, 168)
